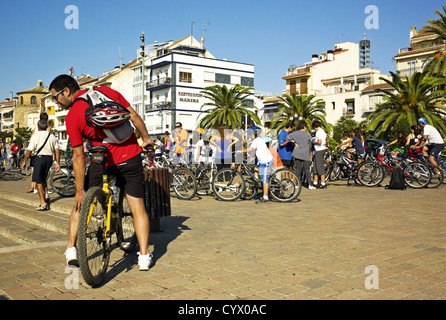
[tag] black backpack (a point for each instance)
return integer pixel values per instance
(397, 181)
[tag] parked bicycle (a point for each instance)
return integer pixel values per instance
(437, 172)
(104, 212)
(229, 184)
(416, 174)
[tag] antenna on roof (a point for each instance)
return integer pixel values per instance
(204, 31)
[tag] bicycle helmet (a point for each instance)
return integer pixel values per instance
(423, 120)
(107, 114)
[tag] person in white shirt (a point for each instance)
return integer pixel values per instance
(432, 140)
(319, 141)
(265, 161)
(44, 143)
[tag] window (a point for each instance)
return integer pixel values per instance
(411, 68)
(247, 82)
(222, 78)
(333, 104)
(33, 100)
(350, 106)
(185, 77)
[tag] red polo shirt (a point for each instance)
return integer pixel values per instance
(78, 129)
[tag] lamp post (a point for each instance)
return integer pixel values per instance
(142, 77)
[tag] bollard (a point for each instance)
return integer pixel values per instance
(157, 196)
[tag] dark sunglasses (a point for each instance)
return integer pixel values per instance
(55, 96)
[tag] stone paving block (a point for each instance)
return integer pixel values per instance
(239, 250)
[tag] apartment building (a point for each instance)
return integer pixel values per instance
(175, 73)
(338, 78)
(414, 58)
(7, 115)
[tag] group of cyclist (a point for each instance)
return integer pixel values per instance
(294, 147)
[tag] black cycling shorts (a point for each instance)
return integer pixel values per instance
(129, 176)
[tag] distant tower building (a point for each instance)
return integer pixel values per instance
(364, 53)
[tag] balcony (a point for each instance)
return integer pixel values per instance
(297, 72)
(157, 83)
(158, 106)
(408, 72)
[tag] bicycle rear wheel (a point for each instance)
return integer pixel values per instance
(417, 175)
(125, 227)
(10, 176)
(284, 185)
(63, 182)
(370, 174)
(184, 183)
(228, 184)
(93, 247)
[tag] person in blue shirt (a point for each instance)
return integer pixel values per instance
(285, 149)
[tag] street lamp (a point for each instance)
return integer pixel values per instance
(142, 38)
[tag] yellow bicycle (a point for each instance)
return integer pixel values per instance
(104, 212)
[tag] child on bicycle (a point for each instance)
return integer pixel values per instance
(264, 159)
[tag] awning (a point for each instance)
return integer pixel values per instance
(270, 107)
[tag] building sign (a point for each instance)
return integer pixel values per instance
(189, 97)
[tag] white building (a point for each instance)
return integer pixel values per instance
(338, 78)
(175, 74)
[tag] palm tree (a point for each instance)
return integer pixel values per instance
(299, 108)
(437, 65)
(228, 106)
(412, 98)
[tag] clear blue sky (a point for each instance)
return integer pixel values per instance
(271, 35)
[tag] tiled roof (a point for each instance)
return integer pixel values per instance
(43, 90)
(374, 87)
(418, 51)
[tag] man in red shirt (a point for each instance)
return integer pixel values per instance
(124, 159)
(15, 152)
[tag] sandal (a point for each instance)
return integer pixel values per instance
(43, 207)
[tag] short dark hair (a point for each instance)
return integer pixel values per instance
(289, 124)
(316, 124)
(64, 81)
(179, 123)
(42, 124)
(301, 125)
(44, 116)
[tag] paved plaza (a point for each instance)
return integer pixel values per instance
(342, 243)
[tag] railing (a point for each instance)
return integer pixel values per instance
(158, 82)
(408, 72)
(299, 71)
(159, 105)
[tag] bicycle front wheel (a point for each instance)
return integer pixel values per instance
(228, 185)
(125, 230)
(417, 175)
(93, 247)
(284, 185)
(437, 176)
(370, 174)
(63, 182)
(184, 183)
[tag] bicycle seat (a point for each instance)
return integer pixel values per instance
(99, 149)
